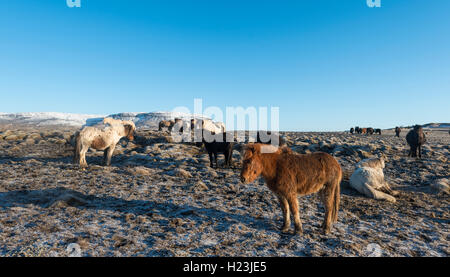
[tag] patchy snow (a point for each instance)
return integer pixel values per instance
(50, 118)
(142, 120)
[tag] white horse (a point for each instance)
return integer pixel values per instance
(368, 179)
(213, 127)
(102, 139)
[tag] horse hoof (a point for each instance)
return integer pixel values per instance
(298, 232)
(285, 230)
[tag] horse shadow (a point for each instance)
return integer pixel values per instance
(54, 198)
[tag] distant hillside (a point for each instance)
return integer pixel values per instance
(142, 120)
(436, 125)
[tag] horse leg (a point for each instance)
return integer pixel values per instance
(226, 159)
(293, 204)
(286, 216)
(377, 195)
(387, 189)
(211, 159)
(76, 157)
(83, 151)
(327, 197)
(105, 153)
(215, 158)
(109, 154)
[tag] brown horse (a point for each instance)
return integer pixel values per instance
(289, 174)
(363, 130)
(397, 131)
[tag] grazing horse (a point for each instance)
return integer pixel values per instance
(99, 139)
(378, 131)
(397, 131)
(289, 174)
(363, 131)
(225, 147)
(370, 131)
(352, 130)
(415, 138)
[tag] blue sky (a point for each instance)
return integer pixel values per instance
(327, 64)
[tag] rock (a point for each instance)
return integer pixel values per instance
(35, 136)
(141, 219)
(139, 170)
(212, 173)
(13, 137)
(120, 241)
(301, 143)
(363, 154)
(179, 172)
(386, 148)
(130, 218)
(56, 140)
(313, 147)
(29, 141)
(7, 133)
(200, 185)
(169, 139)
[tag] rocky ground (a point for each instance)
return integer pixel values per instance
(162, 199)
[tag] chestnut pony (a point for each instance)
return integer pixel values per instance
(289, 174)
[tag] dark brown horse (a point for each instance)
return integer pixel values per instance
(289, 174)
(397, 131)
(415, 138)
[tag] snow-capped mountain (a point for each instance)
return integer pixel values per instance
(142, 120)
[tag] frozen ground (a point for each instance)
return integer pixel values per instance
(161, 199)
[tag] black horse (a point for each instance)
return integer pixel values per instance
(223, 147)
(415, 138)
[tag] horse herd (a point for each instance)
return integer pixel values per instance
(415, 137)
(286, 173)
(369, 130)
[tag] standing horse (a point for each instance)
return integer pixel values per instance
(397, 131)
(105, 140)
(289, 174)
(415, 138)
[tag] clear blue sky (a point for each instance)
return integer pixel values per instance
(327, 64)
